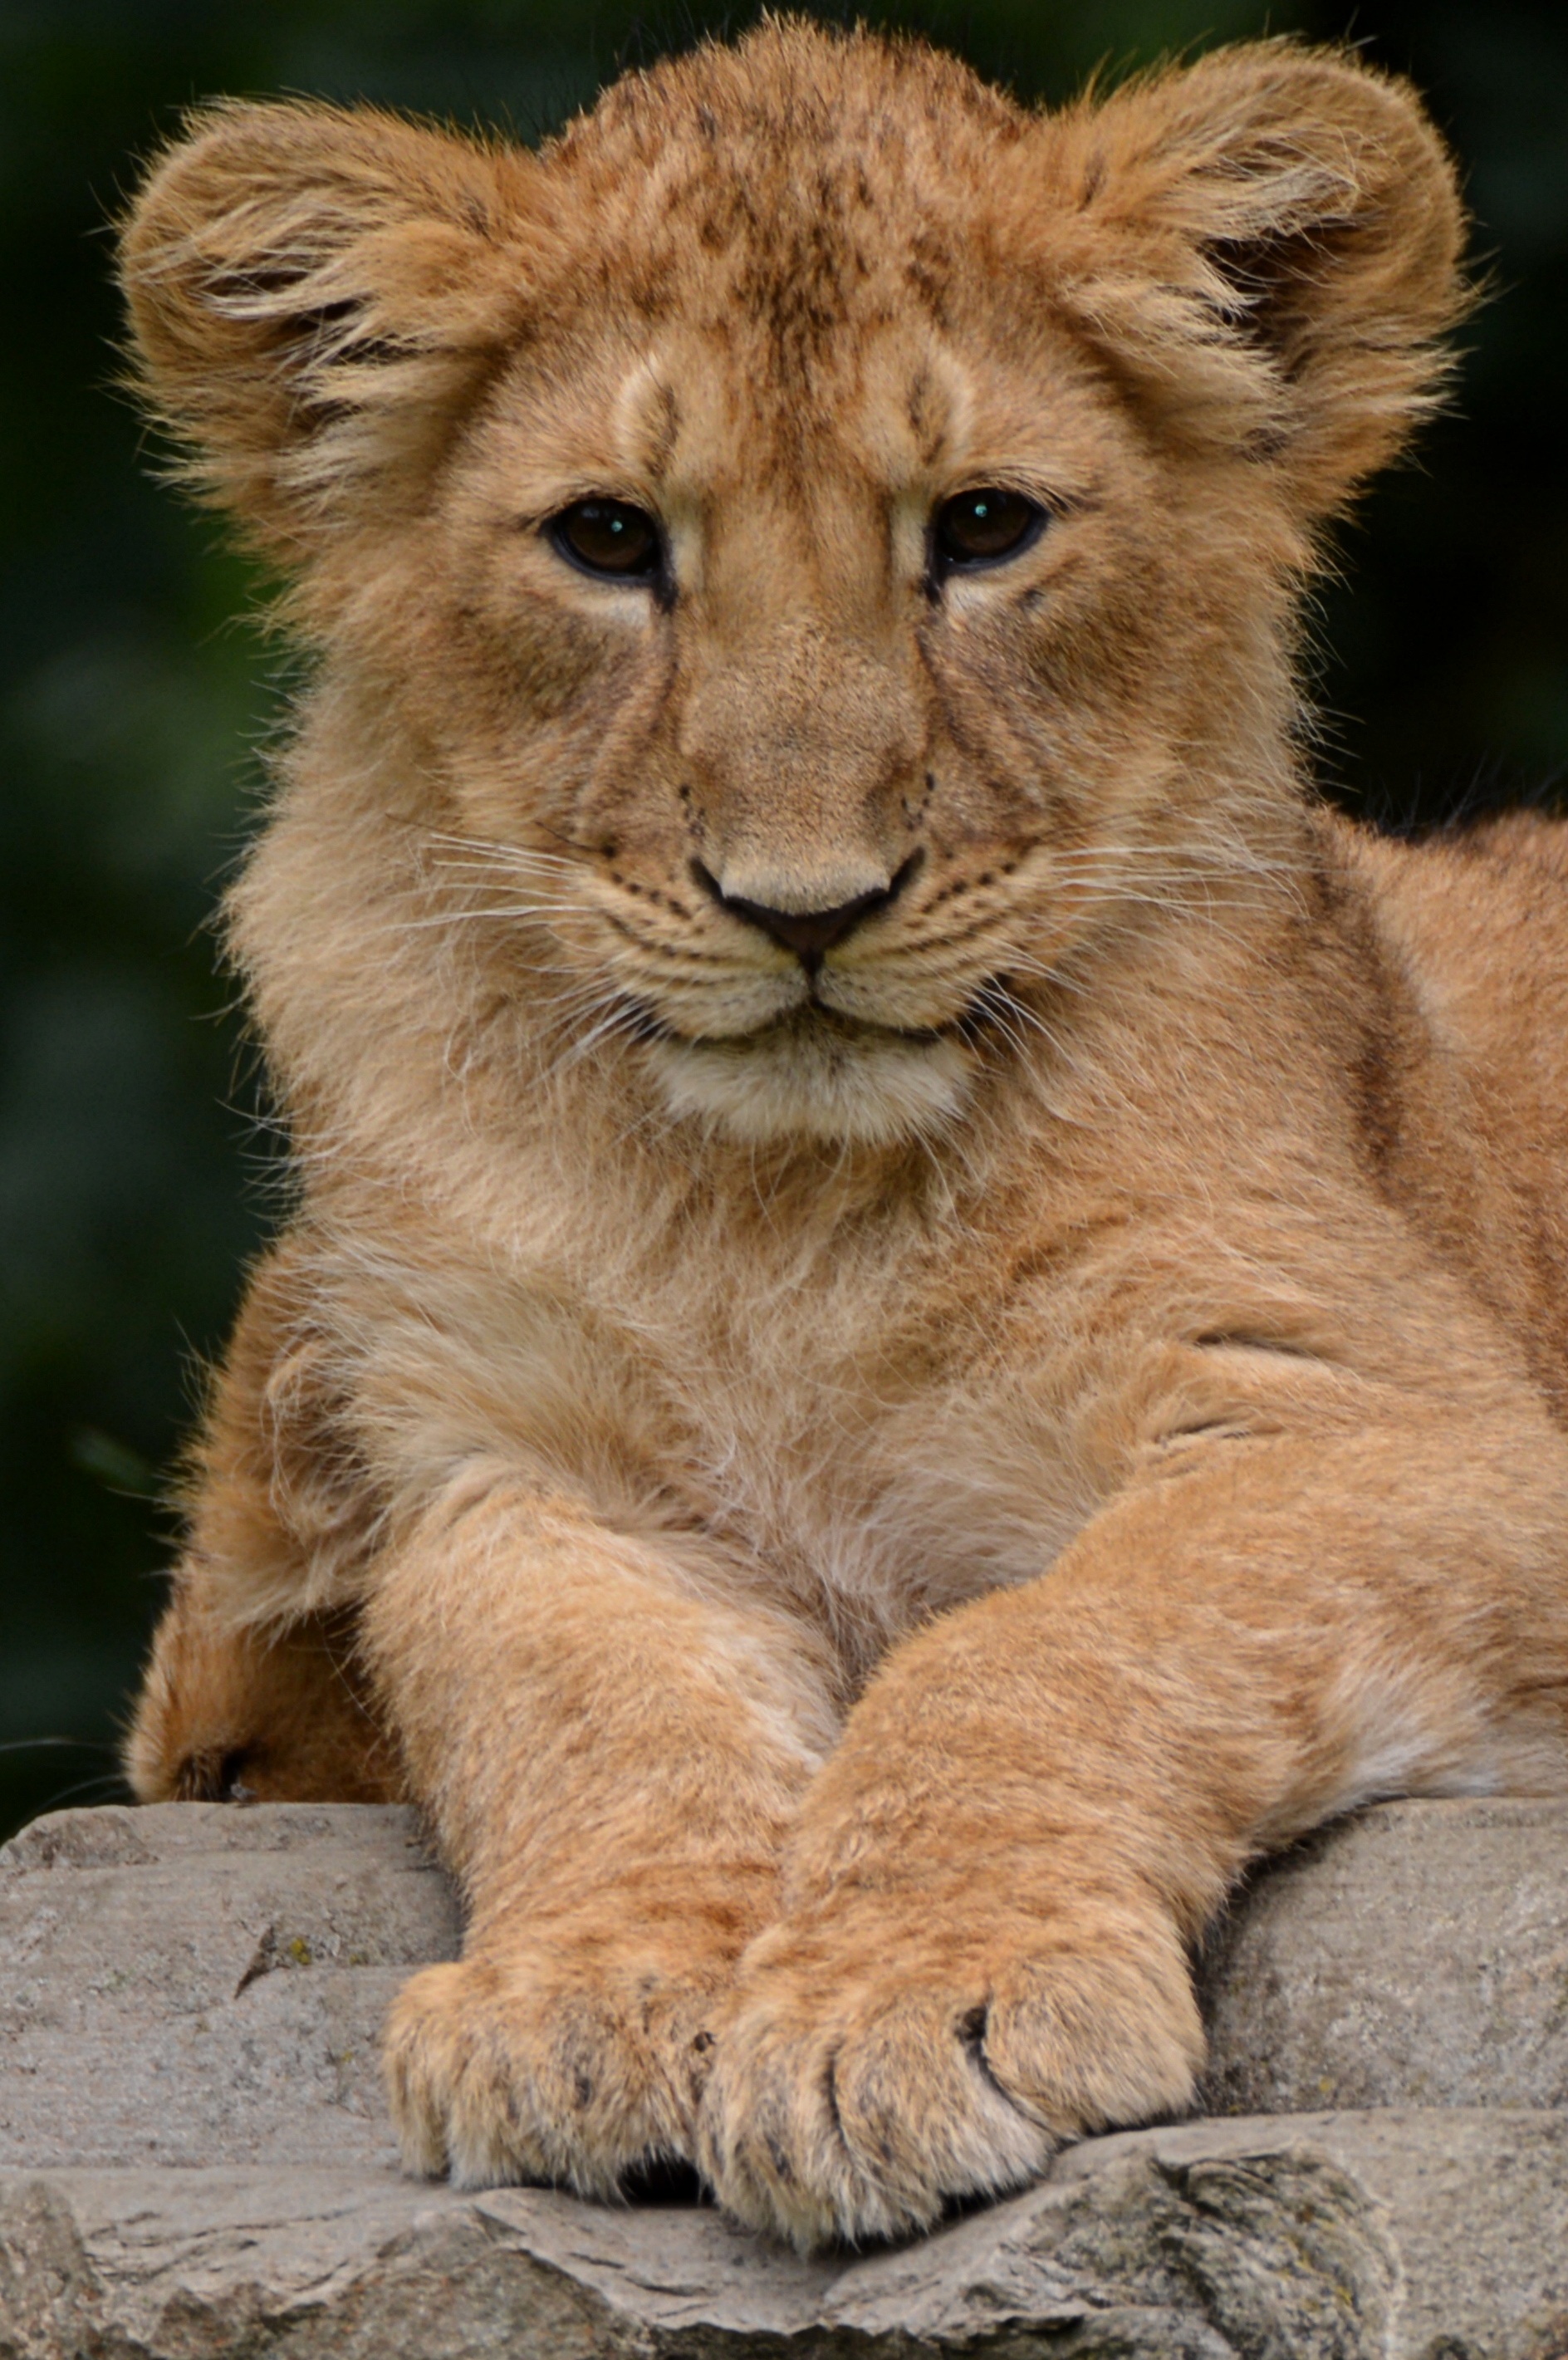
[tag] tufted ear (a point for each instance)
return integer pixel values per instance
(316, 293)
(1266, 246)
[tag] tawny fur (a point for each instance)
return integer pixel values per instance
(867, 1495)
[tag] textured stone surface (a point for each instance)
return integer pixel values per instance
(194, 2157)
(1414, 2236)
(1417, 1955)
(196, 1984)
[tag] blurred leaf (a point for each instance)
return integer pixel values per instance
(113, 1463)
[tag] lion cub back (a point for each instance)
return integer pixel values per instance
(1474, 925)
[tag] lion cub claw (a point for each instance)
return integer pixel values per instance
(862, 2082)
(551, 2063)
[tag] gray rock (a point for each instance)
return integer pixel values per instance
(194, 2157)
(1414, 2236)
(1414, 1956)
(194, 1984)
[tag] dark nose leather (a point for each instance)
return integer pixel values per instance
(808, 932)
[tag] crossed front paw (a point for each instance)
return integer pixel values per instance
(865, 2073)
(564, 2057)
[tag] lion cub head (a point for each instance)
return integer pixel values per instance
(823, 536)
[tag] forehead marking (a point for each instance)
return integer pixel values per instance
(646, 420)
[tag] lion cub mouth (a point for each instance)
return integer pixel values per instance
(814, 1074)
(815, 1020)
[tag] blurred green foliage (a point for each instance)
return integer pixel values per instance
(132, 704)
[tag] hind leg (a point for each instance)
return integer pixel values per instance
(253, 1686)
(272, 1716)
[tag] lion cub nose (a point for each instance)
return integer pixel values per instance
(808, 932)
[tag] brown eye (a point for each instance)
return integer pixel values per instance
(611, 538)
(982, 527)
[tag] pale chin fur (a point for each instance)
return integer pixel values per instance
(809, 1082)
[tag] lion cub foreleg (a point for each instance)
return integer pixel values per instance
(612, 1764)
(990, 1893)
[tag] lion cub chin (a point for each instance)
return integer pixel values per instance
(925, 1309)
(813, 1079)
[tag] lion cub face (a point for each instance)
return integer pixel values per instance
(760, 682)
(824, 535)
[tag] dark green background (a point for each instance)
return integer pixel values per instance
(133, 701)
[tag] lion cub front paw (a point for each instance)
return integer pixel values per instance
(862, 2079)
(552, 2062)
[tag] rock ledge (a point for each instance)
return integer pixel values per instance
(195, 2163)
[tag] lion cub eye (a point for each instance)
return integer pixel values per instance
(982, 527)
(608, 538)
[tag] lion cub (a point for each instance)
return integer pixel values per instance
(925, 1309)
